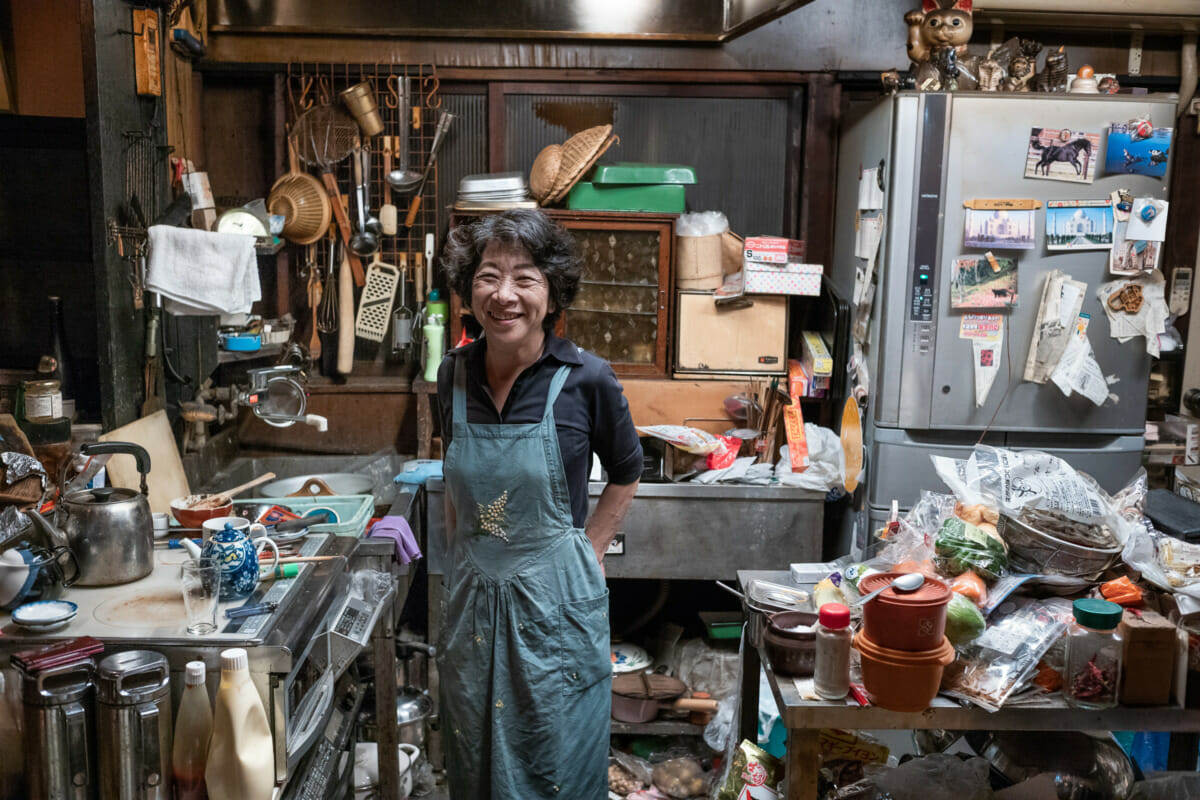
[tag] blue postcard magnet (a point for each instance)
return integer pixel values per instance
(1127, 154)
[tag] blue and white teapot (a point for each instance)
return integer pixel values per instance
(230, 545)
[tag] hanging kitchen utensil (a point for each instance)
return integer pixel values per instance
(327, 313)
(387, 212)
(403, 179)
(439, 136)
(363, 242)
(375, 304)
(345, 335)
(372, 223)
(325, 136)
(302, 202)
(314, 300)
(852, 443)
(402, 317)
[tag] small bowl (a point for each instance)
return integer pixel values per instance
(791, 652)
(194, 517)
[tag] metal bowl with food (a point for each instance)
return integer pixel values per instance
(1034, 549)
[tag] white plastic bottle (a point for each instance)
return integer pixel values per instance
(193, 729)
(241, 760)
(831, 677)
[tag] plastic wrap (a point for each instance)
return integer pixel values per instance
(991, 668)
(707, 669)
(933, 777)
(637, 767)
(680, 778)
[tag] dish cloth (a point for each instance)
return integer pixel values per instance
(199, 273)
(396, 528)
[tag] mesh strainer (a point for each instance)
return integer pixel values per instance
(302, 202)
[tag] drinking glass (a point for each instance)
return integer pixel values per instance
(201, 581)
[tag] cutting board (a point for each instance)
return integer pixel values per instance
(166, 479)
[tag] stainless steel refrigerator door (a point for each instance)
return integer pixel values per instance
(986, 137)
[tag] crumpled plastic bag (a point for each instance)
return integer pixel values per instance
(701, 223)
(937, 776)
(1167, 786)
(707, 669)
(680, 778)
(826, 461)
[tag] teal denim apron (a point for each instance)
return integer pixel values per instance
(524, 664)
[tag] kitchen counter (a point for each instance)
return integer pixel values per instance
(805, 718)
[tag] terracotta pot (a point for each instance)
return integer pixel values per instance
(913, 621)
(901, 680)
(791, 652)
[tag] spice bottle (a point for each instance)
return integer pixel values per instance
(831, 677)
(1093, 655)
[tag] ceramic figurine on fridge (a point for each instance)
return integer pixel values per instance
(937, 45)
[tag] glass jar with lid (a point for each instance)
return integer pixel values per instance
(1093, 655)
(43, 400)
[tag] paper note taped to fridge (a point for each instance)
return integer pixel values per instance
(1058, 312)
(988, 281)
(980, 326)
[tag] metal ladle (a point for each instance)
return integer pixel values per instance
(906, 583)
(363, 241)
(371, 223)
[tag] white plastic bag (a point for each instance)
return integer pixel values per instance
(826, 461)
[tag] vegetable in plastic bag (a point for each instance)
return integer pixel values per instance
(961, 546)
(972, 587)
(680, 777)
(964, 620)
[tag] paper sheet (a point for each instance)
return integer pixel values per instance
(986, 332)
(1078, 370)
(1149, 321)
(870, 196)
(1062, 298)
(866, 240)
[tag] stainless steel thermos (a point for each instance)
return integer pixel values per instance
(60, 740)
(133, 718)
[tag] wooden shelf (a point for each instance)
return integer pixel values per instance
(663, 727)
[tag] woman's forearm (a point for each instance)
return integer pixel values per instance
(606, 519)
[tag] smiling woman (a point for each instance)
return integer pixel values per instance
(524, 661)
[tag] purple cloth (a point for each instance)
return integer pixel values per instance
(396, 528)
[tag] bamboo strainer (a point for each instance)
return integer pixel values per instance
(544, 171)
(579, 153)
(302, 202)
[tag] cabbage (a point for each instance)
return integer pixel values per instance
(964, 621)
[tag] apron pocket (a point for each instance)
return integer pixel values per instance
(586, 655)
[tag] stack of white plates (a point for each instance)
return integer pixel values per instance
(45, 615)
(494, 191)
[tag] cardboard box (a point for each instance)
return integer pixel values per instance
(1148, 643)
(721, 339)
(815, 355)
(773, 250)
(789, 278)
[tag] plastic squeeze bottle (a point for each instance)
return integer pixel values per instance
(241, 761)
(193, 728)
(435, 339)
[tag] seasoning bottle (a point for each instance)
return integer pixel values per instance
(241, 756)
(193, 728)
(1093, 655)
(831, 677)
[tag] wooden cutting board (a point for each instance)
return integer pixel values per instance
(166, 479)
(852, 444)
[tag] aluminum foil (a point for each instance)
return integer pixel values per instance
(12, 525)
(18, 466)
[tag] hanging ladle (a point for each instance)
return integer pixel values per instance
(371, 223)
(906, 583)
(362, 241)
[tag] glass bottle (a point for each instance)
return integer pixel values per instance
(831, 676)
(58, 365)
(1093, 655)
(193, 728)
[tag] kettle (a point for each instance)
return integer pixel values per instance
(110, 530)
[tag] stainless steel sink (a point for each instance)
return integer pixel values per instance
(381, 466)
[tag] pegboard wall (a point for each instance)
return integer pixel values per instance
(313, 84)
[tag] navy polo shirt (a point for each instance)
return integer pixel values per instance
(591, 413)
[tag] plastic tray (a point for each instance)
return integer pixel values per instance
(631, 172)
(353, 510)
(722, 624)
(665, 198)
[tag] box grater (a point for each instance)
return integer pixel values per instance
(375, 305)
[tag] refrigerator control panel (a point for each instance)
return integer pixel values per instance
(927, 226)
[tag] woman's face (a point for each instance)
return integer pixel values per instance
(509, 295)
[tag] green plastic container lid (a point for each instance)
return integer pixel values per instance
(630, 172)
(1099, 614)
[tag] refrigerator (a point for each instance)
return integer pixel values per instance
(932, 152)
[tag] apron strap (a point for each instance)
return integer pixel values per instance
(556, 385)
(459, 395)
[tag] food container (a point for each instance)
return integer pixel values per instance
(1036, 551)
(193, 510)
(902, 680)
(791, 652)
(912, 621)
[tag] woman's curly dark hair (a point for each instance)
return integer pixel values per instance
(551, 247)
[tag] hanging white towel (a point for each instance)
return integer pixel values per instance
(202, 273)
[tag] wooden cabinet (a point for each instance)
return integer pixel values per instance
(622, 312)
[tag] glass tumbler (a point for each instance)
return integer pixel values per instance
(201, 582)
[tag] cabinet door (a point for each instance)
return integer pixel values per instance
(622, 311)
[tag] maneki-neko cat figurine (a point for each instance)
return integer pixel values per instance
(937, 45)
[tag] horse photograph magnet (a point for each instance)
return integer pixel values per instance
(1126, 153)
(1061, 154)
(1079, 224)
